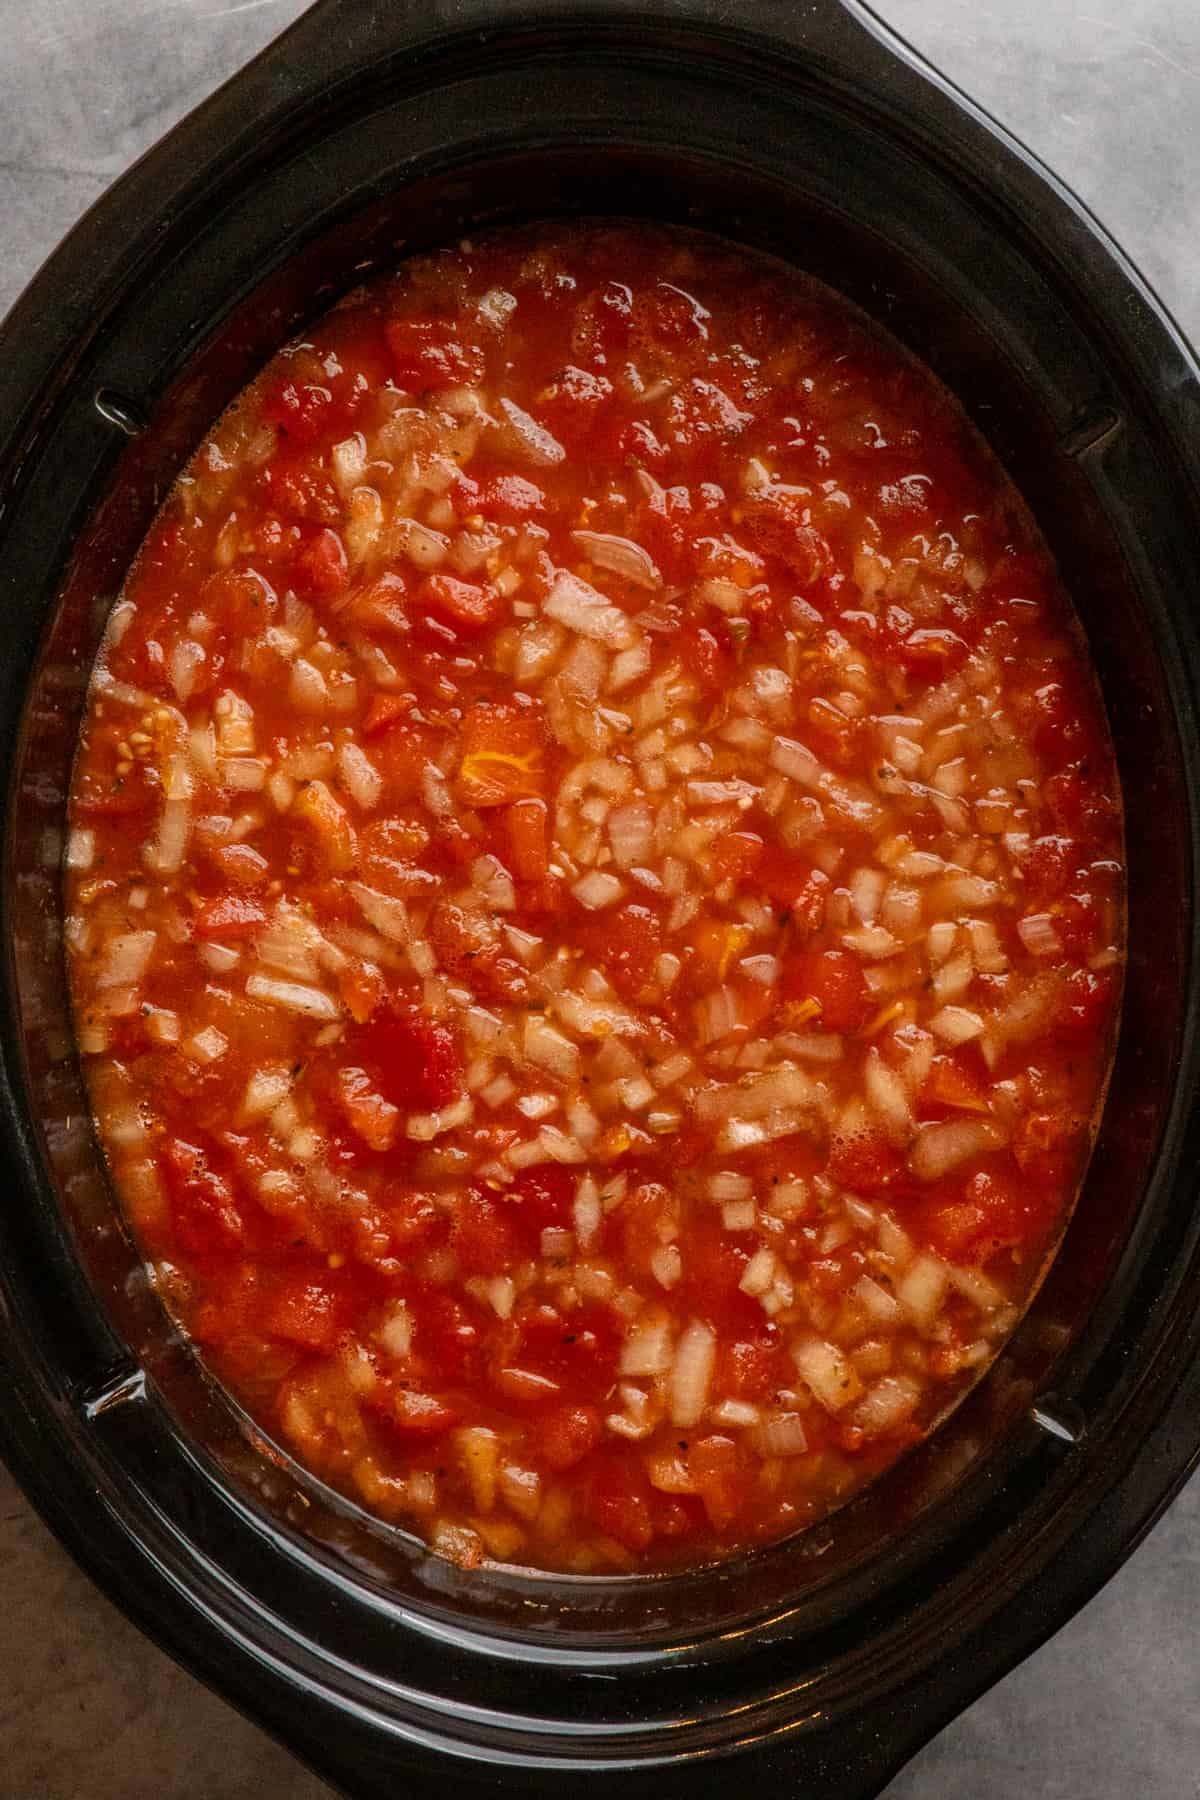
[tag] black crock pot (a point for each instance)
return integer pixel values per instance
(819, 1665)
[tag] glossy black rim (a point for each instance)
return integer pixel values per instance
(836, 1686)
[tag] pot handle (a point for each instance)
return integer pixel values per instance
(336, 40)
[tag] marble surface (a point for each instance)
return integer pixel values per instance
(1108, 92)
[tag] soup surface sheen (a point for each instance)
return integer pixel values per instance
(595, 900)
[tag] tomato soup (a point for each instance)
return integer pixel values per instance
(595, 900)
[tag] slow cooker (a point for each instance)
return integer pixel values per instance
(801, 126)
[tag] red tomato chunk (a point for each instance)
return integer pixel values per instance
(595, 900)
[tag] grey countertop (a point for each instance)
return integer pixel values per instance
(1108, 92)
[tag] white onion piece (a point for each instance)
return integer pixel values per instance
(888, 1404)
(548, 1049)
(126, 958)
(782, 1434)
(597, 889)
(388, 915)
(956, 1025)
(695, 1357)
(621, 556)
(922, 1290)
(584, 609)
(941, 1148)
(834, 1381)
(527, 439)
(360, 777)
(1039, 934)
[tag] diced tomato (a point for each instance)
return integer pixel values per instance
(1049, 865)
(724, 1476)
(242, 865)
(626, 942)
(241, 600)
(321, 568)
(502, 748)
(863, 1161)
(301, 492)
(779, 524)
(229, 916)
(707, 657)
(299, 408)
(992, 1210)
(702, 420)
(834, 979)
(304, 1312)
(714, 1261)
(451, 1334)
(832, 736)
(1077, 918)
(467, 943)
(736, 856)
(603, 322)
(467, 605)
(100, 795)
(206, 1215)
(428, 353)
(539, 1198)
(1087, 1002)
(577, 1348)
(1078, 804)
(385, 711)
(1046, 1146)
(752, 1367)
(421, 1415)
(525, 832)
(511, 497)
(621, 1500)
(484, 1238)
(572, 405)
(795, 885)
(666, 315)
(366, 1112)
(952, 1085)
(567, 1433)
(648, 1218)
(417, 1058)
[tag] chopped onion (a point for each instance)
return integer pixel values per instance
(666, 1265)
(388, 915)
(940, 1148)
(834, 1381)
(956, 1025)
(126, 958)
(81, 848)
(584, 609)
(782, 1434)
(548, 1049)
(1039, 934)
(888, 1404)
(691, 1374)
(264, 1091)
(598, 889)
(631, 833)
(528, 439)
(883, 1308)
(307, 689)
(620, 555)
(647, 1348)
(629, 666)
(922, 1290)
(291, 996)
(360, 777)
(493, 884)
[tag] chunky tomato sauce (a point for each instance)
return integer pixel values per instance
(595, 900)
